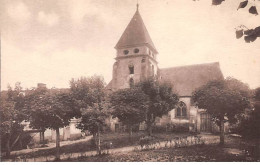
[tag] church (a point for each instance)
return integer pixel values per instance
(136, 60)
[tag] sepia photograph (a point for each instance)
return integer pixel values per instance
(130, 81)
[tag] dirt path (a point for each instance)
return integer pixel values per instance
(209, 139)
(51, 145)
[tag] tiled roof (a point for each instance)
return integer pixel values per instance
(135, 34)
(186, 79)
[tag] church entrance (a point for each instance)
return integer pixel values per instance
(205, 122)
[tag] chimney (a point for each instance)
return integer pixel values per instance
(41, 85)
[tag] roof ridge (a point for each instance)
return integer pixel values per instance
(182, 66)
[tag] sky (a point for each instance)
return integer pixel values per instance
(53, 41)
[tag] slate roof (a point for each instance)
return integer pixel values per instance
(186, 79)
(135, 34)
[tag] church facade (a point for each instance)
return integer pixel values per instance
(136, 60)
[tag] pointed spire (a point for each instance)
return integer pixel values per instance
(136, 34)
(137, 6)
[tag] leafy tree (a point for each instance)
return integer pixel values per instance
(93, 120)
(91, 98)
(161, 100)
(129, 106)
(249, 124)
(223, 100)
(12, 115)
(52, 109)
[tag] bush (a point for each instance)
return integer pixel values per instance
(180, 127)
(146, 140)
(159, 128)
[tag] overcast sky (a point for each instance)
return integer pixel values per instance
(52, 41)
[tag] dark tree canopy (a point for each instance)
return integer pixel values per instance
(50, 109)
(129, 105)
(223, 100)
(161, 99)
(12, 115)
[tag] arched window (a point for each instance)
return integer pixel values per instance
(181, 110)
(131, 82)
(131, 69)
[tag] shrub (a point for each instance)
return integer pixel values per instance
(178, 127)
(146, 140)
(159, 128)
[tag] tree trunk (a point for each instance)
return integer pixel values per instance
(98, 142)
(221, 132)
(8, 148)
(18, 137)
(43, 137)
(149, 128)
(57, 144)
(130, 131)
(149, 125)
(94, 139)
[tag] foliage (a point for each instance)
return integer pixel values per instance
(51, 109)
(92, 119)
(257, 94)
(90, 96)
(88, 91)
(180, 127)
(223, 99)
(249, 126)
(161, 99)
(12, 114)
(250, 35)
(129, 106)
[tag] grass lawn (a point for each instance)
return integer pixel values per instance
(231, 151)
(117, 139)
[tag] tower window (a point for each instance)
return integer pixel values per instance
(136, 50)
(126, 52)
(131, 82)
(143, 60)
(131, 69)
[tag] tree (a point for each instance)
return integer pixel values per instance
(52, 109)
(249, 124)
(161, 100)
(12, 115)
(250, 35)
(91, 99)
(223, 100)
(130, 106)
(93, 120)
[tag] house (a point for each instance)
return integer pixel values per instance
(136, 60)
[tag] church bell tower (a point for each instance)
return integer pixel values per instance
(136, 57)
